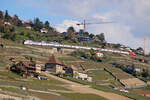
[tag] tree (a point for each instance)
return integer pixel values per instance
(37, 24)
(12, 29)
(101, 37)
(16, 20)
(116, 45)
(19, 23)
(15, 17)
(70, 30)
(31, 23)
(91, 35)
(47, 24)
(86, 33)
(92, 52)
(145, 73)
(81, 32)
(2, 29)
(1, 14)
(7, 16)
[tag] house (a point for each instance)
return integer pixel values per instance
(28, 27)
(137, 69)
(83, 38)
(44, 30)
(125, 48)
(27, 68)
(140, 51)
(22, 21)
(64, 33)
(131, 69)
(7, 23)
(99, 54)
(80, 74)
(69, 70)
(54, 65)
(28, 42)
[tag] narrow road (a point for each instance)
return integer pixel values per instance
(76, 87)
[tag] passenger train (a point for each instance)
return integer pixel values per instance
(29, 42)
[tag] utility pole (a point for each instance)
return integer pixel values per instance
(144, 45)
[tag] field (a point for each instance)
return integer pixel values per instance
(131, 95)
(100, 75)
(77, 96)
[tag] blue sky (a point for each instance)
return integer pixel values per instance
(27, 12)
(131, 17)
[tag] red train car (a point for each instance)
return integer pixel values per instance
(132, 53)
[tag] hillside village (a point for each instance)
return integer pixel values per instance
(37, 72)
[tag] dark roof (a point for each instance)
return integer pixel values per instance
(29, 64)
(54, 60)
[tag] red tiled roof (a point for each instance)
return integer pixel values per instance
(54, 60)
(44, 28)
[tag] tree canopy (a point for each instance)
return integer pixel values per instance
(7, 16)
(1, 14)
(37, 24)
(47, 24)
(70, 29)
(101, 37)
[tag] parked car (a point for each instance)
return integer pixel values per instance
(42, 78)
(123, 90)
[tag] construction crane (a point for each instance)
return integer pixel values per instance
(85, 23)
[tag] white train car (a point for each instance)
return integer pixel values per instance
(30, 42)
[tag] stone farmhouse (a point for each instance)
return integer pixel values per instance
(26, 68)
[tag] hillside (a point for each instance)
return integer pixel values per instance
(23, 53)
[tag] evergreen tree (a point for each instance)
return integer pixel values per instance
(101, 37)
(31, 23)
(91, 35)
(7, 17)
(1, 14)
(19, 23)
(2, 29)
(70, 30)
(47, 24)
(116, 46)
(86, 33)
(12, 29)
(81, 32)
(145, 73)
(37, 24)
(15, 19)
